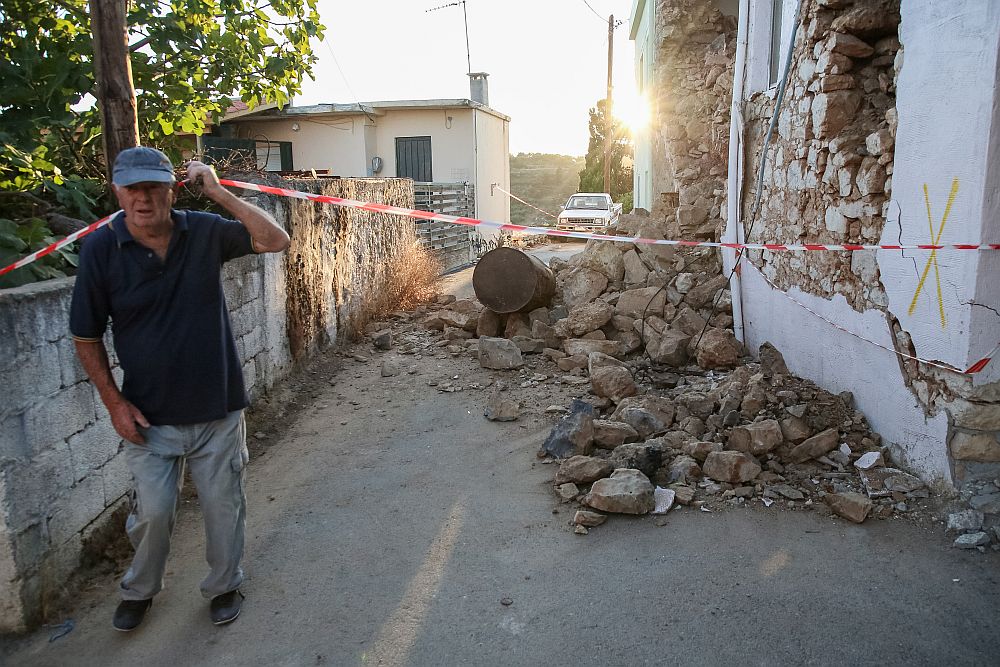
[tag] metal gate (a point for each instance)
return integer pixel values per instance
(451, 243)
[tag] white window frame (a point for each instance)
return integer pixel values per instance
(761, 44)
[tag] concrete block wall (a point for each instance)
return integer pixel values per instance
(63, 475)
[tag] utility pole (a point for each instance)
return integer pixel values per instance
(465, 16)
(608, 123)
(113, 71)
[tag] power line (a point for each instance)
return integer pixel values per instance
(346, 82)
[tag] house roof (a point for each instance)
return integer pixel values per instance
(271, 111)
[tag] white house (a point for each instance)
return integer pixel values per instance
(431, 141)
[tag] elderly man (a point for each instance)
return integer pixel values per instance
(156, 273)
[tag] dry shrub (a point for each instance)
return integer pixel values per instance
(411, 279)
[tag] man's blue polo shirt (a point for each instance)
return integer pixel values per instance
(169, 319)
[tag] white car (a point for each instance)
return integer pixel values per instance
(588, 212)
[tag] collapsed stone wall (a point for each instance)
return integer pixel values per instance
(692, 85)
(63, 476)
(828, 179)
(828, 176)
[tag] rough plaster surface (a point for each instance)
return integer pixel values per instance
(62, 473)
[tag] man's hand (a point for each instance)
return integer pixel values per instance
(204, 176)
(126, 418)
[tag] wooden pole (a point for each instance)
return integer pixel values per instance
(113, 71)
(608, 123)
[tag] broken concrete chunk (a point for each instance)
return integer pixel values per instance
(663, 500)
(869, 460)
(732, 467)
(903, 482)
(851, 506)
(627, 491)
(574, 434)
(818, 445)
(583, 470)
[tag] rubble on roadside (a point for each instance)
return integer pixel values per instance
(669, 405)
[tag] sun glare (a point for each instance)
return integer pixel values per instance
(633, 110)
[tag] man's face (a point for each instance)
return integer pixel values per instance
(146, 204)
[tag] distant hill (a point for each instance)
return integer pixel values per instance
(544, 180)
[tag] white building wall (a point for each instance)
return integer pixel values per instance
(949, 128)
(336, 143)
(641, 20)
(493, 166)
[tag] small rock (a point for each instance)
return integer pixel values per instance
(663, 499)
(382, 340)
(568, 491)
(972, 540)
(771, 361)
(499, 354)
(700, 450)
(684, 494)
(588, 518)
(869, 460)
(625, 492)
(816, 446)
(500, 409)
(581, 530)
(574, 434)
(613, 382)
(788, 492)
(611, 434)
(852, 506)
(639, 456)
(757, 439)
(390, 368)
(684, 469)
(583, 470)
(732, 467)
(643, 421)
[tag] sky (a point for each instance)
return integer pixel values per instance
(546, 59)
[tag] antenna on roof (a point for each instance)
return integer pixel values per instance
(468, 59)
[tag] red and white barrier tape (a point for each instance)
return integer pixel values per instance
(971, 370)
(52, 247)
(514, 196)
(547, 231)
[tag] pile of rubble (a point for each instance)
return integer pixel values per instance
(675, 414)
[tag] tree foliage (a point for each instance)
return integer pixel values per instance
(592, 176)
(545, 180)
(189, 58)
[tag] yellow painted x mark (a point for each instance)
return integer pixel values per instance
(932, 259)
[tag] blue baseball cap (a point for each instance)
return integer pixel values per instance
(142, 164)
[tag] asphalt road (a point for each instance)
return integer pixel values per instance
(409, 530)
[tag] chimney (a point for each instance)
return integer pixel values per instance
(479, 89)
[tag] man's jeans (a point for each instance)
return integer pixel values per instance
(217, 454)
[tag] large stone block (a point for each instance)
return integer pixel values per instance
(56, 417)
(831, 112)
(633, 303)
(983, 447)
(33, 486)
(117, 479)
(75, 509)
(92, 447)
